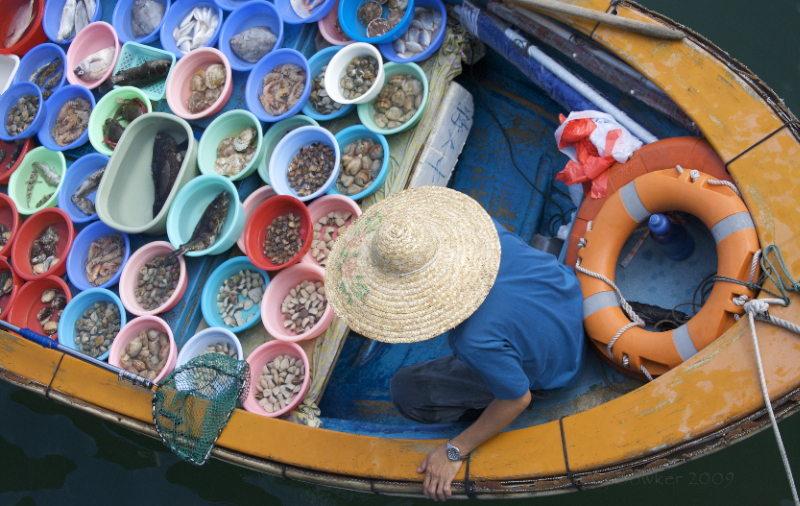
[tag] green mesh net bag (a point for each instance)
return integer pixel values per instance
(194, 403)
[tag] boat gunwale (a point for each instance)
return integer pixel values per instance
(669, 458)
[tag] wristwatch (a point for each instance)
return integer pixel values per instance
(453, 453)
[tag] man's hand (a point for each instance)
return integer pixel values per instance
(439, 474)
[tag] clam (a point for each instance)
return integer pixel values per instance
(378, 27)
(368, 12)
(215, 75)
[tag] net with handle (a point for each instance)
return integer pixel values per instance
(194, 403)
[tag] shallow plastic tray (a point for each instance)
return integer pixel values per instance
(133, 55)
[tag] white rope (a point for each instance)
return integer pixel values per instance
(752, 308)
(725, 183)
(635, 320)
(754, 265)
(646, 373)
(695, 174)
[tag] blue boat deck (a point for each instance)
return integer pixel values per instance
(357, 398)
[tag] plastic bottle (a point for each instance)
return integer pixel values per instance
(673, 238)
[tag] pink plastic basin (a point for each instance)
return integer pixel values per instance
(258, 359)
(250, 204)
(131, 330)
(328, 30)
(130, 277)
(278, 289)
(96, 36)
(178, 90)
(320, 208)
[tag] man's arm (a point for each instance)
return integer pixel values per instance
(440, 471)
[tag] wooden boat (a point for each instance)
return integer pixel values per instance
(708, 402)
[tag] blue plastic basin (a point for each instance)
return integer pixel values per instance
(348, 20)
(75, 310)
(83, 167)
(286, 150)
(79, 252)
(256, 79)
(257, 13)
(121, 21)
(208, 299)
(55, 103)
(51, 19)
(315, 64)
(7, 101)
(175, 15)
(355, 133)
(37, 57)
(390, 54)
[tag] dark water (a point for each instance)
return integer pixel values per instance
(52, 455)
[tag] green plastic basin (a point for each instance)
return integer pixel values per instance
(229, 124)
(18, 184)
(125, 196)
(366, 112)
(106, 108)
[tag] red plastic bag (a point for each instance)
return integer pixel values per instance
(593, 141)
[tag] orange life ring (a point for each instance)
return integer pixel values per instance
(691, 152)
(721, 210)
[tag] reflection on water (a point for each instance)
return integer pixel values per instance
(54, 455)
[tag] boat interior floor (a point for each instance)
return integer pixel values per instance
(357, 398)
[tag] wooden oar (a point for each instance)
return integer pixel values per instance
(55, 345)
(657, 31)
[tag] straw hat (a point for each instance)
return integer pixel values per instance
(413, 265)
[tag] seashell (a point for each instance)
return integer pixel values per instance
(400, 5)
(353, 167)
(39, 268)
(378, 27)
(139, 365)
(244, 139)
(394, 114)
(397, 81)
(215, 75)
(49, 295)
(363, 178)
(395, 16)
(408, 106)
(50, 327)
(398, 98)
(134, 348)
(380, 119)
(376, 153)
(198, 80)
(381, 105)
(368, 12)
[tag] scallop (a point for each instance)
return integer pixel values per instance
(215, 75)
(198, 81)
(378, 27)
(369, 12)
(244, 139)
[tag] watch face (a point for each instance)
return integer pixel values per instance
(453, 454)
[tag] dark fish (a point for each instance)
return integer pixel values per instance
(84, 204)
(2, 155)
(148, 72)
(208, 228)
(254, 43)
(89, 184)
(166, 165)
(15, 154)
(145, 16)
(44, 199)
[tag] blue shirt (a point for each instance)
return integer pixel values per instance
(528, 333)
